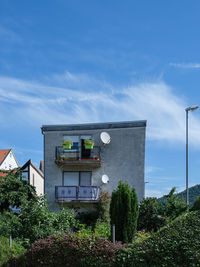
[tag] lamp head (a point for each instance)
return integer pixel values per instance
(192, 108)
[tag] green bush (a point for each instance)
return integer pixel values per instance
(7, 252)
(69, 250)
(177, 244)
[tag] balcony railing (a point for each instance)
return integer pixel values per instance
(77, 156)
(78, 193)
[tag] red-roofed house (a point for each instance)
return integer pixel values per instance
(7, 160)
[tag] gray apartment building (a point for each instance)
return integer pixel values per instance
(80, 160)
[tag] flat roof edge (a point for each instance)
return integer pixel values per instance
(94, 126)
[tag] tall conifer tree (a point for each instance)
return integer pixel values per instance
(124, 212)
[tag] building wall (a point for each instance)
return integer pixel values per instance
(36, 180)
(122, 159)
(9, 162)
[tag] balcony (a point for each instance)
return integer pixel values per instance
(78, 156)
(77, 193)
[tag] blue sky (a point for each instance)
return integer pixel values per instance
(97, 60)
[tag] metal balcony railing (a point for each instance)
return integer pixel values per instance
(77, 154)
(69, 193)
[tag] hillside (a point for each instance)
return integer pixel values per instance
(194, 192)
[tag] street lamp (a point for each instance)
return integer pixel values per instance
(187, 189)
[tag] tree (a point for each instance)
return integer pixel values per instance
(124, 212)
(149, 215)
(173, 206)
(13, 191)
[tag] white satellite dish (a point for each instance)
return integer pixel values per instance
(105, 138)
(105, 179)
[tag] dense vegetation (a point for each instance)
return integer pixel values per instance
(168, 235)
(71, 250)
(35, 219)
(154, 214)
(176, 244)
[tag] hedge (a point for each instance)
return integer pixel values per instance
(177, 244)
(72, 250)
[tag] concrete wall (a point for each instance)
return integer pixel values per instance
(122, 159)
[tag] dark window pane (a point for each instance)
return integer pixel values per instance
(85, 179)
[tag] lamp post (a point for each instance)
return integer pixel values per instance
(187, 189)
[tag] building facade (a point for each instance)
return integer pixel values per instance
(81, 160)
(33, 176)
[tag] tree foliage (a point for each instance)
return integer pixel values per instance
(149, 215)
(13, 191)
(35, 220)
(196, 205)
(124, 212)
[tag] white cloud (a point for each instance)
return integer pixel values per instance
(186, 65)
(35, 104)
(155, 193)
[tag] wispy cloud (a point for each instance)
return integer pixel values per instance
(37, 103)
(9, 35)
(186, 65)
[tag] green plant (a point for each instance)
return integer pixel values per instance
(67, 144)
(89, 144)
(124, 212)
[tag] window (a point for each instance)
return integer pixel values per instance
(33, 180)
(77, 178)
(25, 174)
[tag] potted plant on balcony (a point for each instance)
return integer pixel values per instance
(67, 144)
(89, 144)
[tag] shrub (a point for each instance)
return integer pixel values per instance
(102, 230)
(177, 244)
(7, 252)
(69, 250)
(104, 206)
(124, 212)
